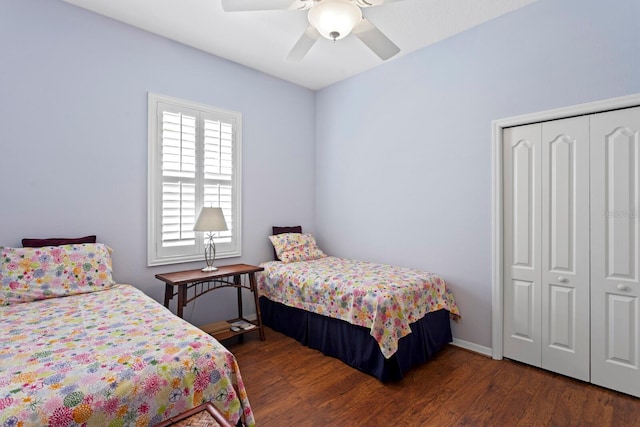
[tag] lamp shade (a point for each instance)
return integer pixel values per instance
(334, 19)
(210, 219)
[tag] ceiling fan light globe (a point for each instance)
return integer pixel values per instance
(334, 19)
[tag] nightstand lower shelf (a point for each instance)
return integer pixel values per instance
(222, 330)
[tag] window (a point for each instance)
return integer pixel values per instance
(194, 161)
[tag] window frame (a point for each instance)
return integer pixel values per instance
(189, 253)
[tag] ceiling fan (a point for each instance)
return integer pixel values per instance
(332, 19)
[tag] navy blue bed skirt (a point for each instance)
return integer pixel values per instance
(354, 345)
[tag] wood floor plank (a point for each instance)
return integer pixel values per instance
(513, 405)
(291, 385)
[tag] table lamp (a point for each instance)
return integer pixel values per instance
(210, 220)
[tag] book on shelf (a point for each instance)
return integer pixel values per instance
(243, 325)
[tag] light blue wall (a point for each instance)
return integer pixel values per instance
(403, 152)
(401, 167)
(73, 136)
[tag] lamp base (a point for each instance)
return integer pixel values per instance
(210, 254)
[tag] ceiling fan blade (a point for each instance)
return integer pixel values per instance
(370, 3)
(304, 44)
(375, 39)
(250, 5)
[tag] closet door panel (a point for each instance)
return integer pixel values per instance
(521, 156)
(565, 247)
(615, 252)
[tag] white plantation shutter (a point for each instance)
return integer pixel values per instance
(218, 170)
(178, 214)
(178, 145)
(194, 161)
(220, 196)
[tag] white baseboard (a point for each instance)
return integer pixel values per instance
(472, 347)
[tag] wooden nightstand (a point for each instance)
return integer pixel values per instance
(191, 284)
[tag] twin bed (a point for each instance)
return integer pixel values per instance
(77, 349)
(378, 318)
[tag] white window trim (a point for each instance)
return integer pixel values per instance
(154, 183)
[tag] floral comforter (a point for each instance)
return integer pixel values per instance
(382, 298)
(114, 357)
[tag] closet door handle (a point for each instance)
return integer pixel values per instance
(562, 279)
(623, 287)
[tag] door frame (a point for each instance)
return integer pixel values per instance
(497, 297)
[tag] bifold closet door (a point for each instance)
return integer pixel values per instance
(546, 245)
(615, 251)
(565, 247)
(522, 154)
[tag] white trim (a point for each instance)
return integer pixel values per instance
(152, 135)
(496, 244)
(472, 347)
(497, 196)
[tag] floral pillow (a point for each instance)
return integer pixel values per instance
(292, 247)
(29, 274)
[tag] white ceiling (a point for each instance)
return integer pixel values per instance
(261, 40)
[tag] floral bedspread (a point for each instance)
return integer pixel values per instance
(382, 298)
(114, 357)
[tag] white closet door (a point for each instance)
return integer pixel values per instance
(565, 247)
(522, 267)
(615, 252)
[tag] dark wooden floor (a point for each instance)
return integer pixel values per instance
(291, 385)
